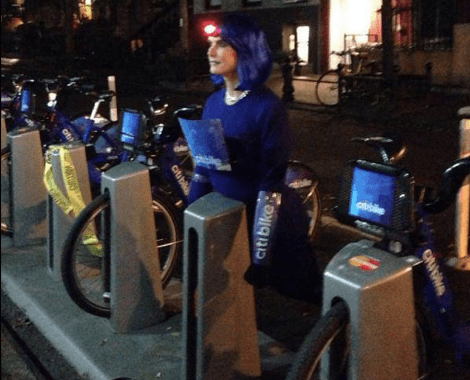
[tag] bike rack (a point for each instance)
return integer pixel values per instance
(59, 223)
(220, 338)
(462, 211)
(136, 286)
(378, 290)
(27, 190)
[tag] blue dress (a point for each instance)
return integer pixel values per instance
(258, 138)
(259, 142)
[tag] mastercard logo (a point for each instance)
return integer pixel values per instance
(364, 262)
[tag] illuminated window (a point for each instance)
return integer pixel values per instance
(292, 42)
(303, 38)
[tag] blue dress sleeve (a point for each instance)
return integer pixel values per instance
(276, 149)
(200, 184)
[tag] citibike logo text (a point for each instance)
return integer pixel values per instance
(434, 272)
(181, 179)
(373, 208)
(263, 232)
(67, 134)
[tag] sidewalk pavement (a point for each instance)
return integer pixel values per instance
(92, 349)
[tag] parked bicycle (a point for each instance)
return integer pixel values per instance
(380, 199)
(86, 276)
(11, 90)
(86, 273)
(332, 84)
(56, 127)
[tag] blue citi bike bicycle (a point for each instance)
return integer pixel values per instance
(381, 199)
(161, 149)
(56, 127)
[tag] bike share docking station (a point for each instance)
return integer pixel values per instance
(135, 283)
(136, 286)
(376, 285)
(220, 337)
(59, 223)
(378, 290)
(27, 193)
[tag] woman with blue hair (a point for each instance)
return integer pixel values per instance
(258, 139)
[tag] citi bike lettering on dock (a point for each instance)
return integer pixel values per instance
(265, 222)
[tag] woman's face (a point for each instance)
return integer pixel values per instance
(222, 58)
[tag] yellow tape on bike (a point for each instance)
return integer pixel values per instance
(75, 196)
(51, 185)
(74, 200)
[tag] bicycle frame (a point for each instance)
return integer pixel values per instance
(405, 223)
(166, 171)
(166, 174)
(10, 102)
(437, 291)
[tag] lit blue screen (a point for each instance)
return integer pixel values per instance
(25, 101)
(130, 127)
(372, 196)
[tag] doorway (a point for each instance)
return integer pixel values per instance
(303, 41)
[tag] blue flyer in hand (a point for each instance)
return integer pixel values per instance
(206, 142)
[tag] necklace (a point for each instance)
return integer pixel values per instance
(230, 100)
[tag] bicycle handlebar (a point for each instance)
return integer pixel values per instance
(391, 148)
(389, 145)
(452, 180)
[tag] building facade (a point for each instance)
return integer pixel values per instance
(423, 31)
(292, 27)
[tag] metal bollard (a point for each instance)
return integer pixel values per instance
(378, 289)
(29, 195)
(59, 223)
(462, 210)
(288, 87)
(113, 111)
(136, 286)
(220, 338)
(4, 132)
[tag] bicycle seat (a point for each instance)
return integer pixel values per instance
(389, 145)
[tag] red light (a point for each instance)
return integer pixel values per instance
(211, 30)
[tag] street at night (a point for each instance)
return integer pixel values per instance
(140, 246)
(430, 128)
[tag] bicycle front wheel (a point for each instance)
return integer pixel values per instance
(6, 210)
(330, 335)
(85, 263)
(331, 339)
(327, 90)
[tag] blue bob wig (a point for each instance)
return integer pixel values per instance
(255, 59)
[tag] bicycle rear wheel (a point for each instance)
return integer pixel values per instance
(6, 229)
(304, 181)
(86, 273)
(327, 90)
